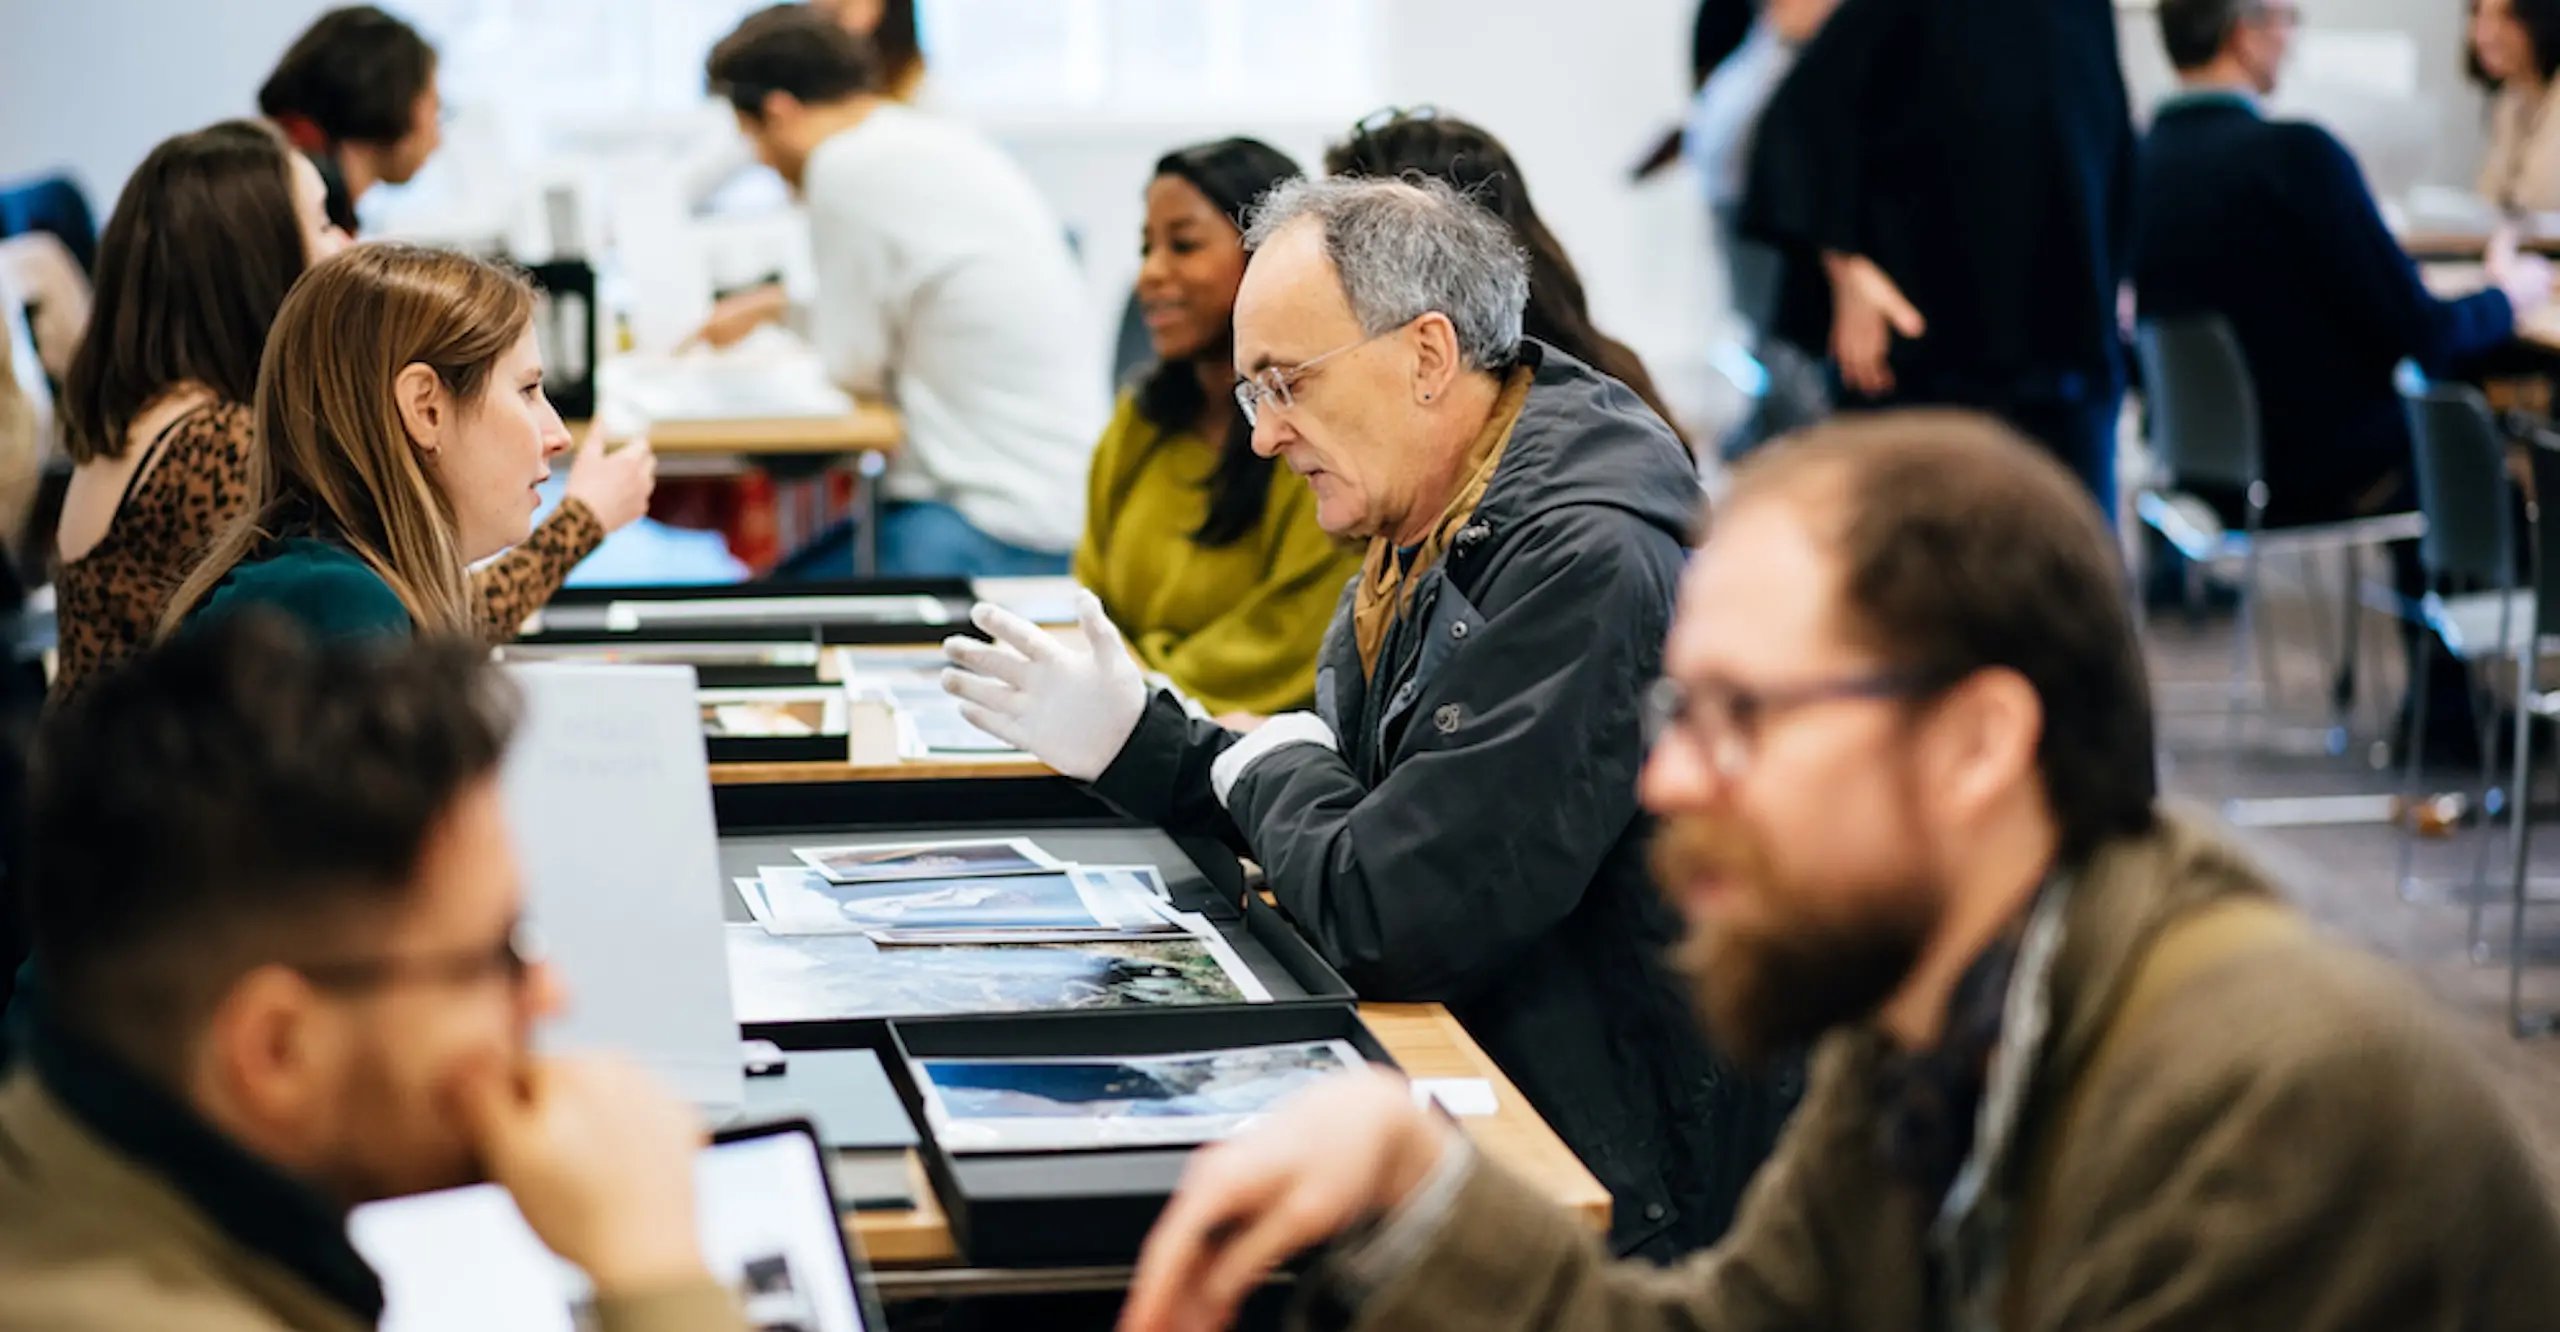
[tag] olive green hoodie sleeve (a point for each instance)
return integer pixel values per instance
(1236, 626)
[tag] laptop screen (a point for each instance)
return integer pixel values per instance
(464, 1261)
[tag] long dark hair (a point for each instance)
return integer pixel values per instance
(1398, 142)
(203, 246)
(2541, 22)
(899, 44)
(1231, 174)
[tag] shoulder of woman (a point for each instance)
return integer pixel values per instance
(1126, 436)
(333, 593)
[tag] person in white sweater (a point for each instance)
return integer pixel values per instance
(945, 284)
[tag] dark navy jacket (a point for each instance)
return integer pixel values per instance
(2269, 224)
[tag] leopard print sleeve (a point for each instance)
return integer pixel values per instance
(512, 587)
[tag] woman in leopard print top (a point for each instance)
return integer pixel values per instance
(156, 403)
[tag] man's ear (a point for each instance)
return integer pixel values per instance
(426, 409)
(1990, 727)
(778, 108)
(266, 1056)
(1437, 362)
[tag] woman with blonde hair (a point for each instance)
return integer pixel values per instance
(402, 433)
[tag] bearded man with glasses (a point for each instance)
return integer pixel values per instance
(2076, 1065)
(278, 923)
(1456, 822)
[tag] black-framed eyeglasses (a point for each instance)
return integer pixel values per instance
(1725, 720)
(511, 958)
(1278, 384)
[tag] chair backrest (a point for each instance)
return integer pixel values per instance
(2463, 485)
(2545, 468)
(2203, 406)
(52, 204)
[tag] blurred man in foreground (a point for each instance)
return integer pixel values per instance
(1903, 758)
(277, 914)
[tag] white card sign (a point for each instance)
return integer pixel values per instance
(608, 793)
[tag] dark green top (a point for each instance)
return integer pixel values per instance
(319, 583)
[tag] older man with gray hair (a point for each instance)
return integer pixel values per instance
(1457, 822)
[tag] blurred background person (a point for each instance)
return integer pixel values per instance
(945, 285)
(2515, 51)
(1717, 140)
(1205, 553)
(890, 26)
(1962, 173)
(357, 91)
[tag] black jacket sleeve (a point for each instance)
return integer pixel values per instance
(2377, 287)
(1484, 835)
(1161, 776)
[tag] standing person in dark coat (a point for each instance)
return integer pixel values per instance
(1457, 822)
(1962, 175)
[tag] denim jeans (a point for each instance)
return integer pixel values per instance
(920, 539)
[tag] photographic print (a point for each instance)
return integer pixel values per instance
(770, 713)
(1019, 1105)
(927, 860)
(1012, 902)
(822, 978)
(771, 1299)
(930, 724)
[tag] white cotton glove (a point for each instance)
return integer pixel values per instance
(1070, 704)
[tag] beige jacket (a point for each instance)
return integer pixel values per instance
(2521, 172)
(89, 1242)
(2282, 1135)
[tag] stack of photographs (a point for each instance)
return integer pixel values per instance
(928, 720)
(997, 926)
(1084, 1103)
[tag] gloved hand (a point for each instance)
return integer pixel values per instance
(1071, 705)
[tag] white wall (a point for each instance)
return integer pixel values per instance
(91, 85)
(1576, 103)
(1576, 87)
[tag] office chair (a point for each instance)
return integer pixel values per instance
(2205, 432)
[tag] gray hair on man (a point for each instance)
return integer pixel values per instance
(1408, 248)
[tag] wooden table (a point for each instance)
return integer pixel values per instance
(865, 437)
(870, 428)
(918, 1260)
(2457, 243)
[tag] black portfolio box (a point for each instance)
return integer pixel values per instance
(1087, 1208)
(584, 613)
(760, 824)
